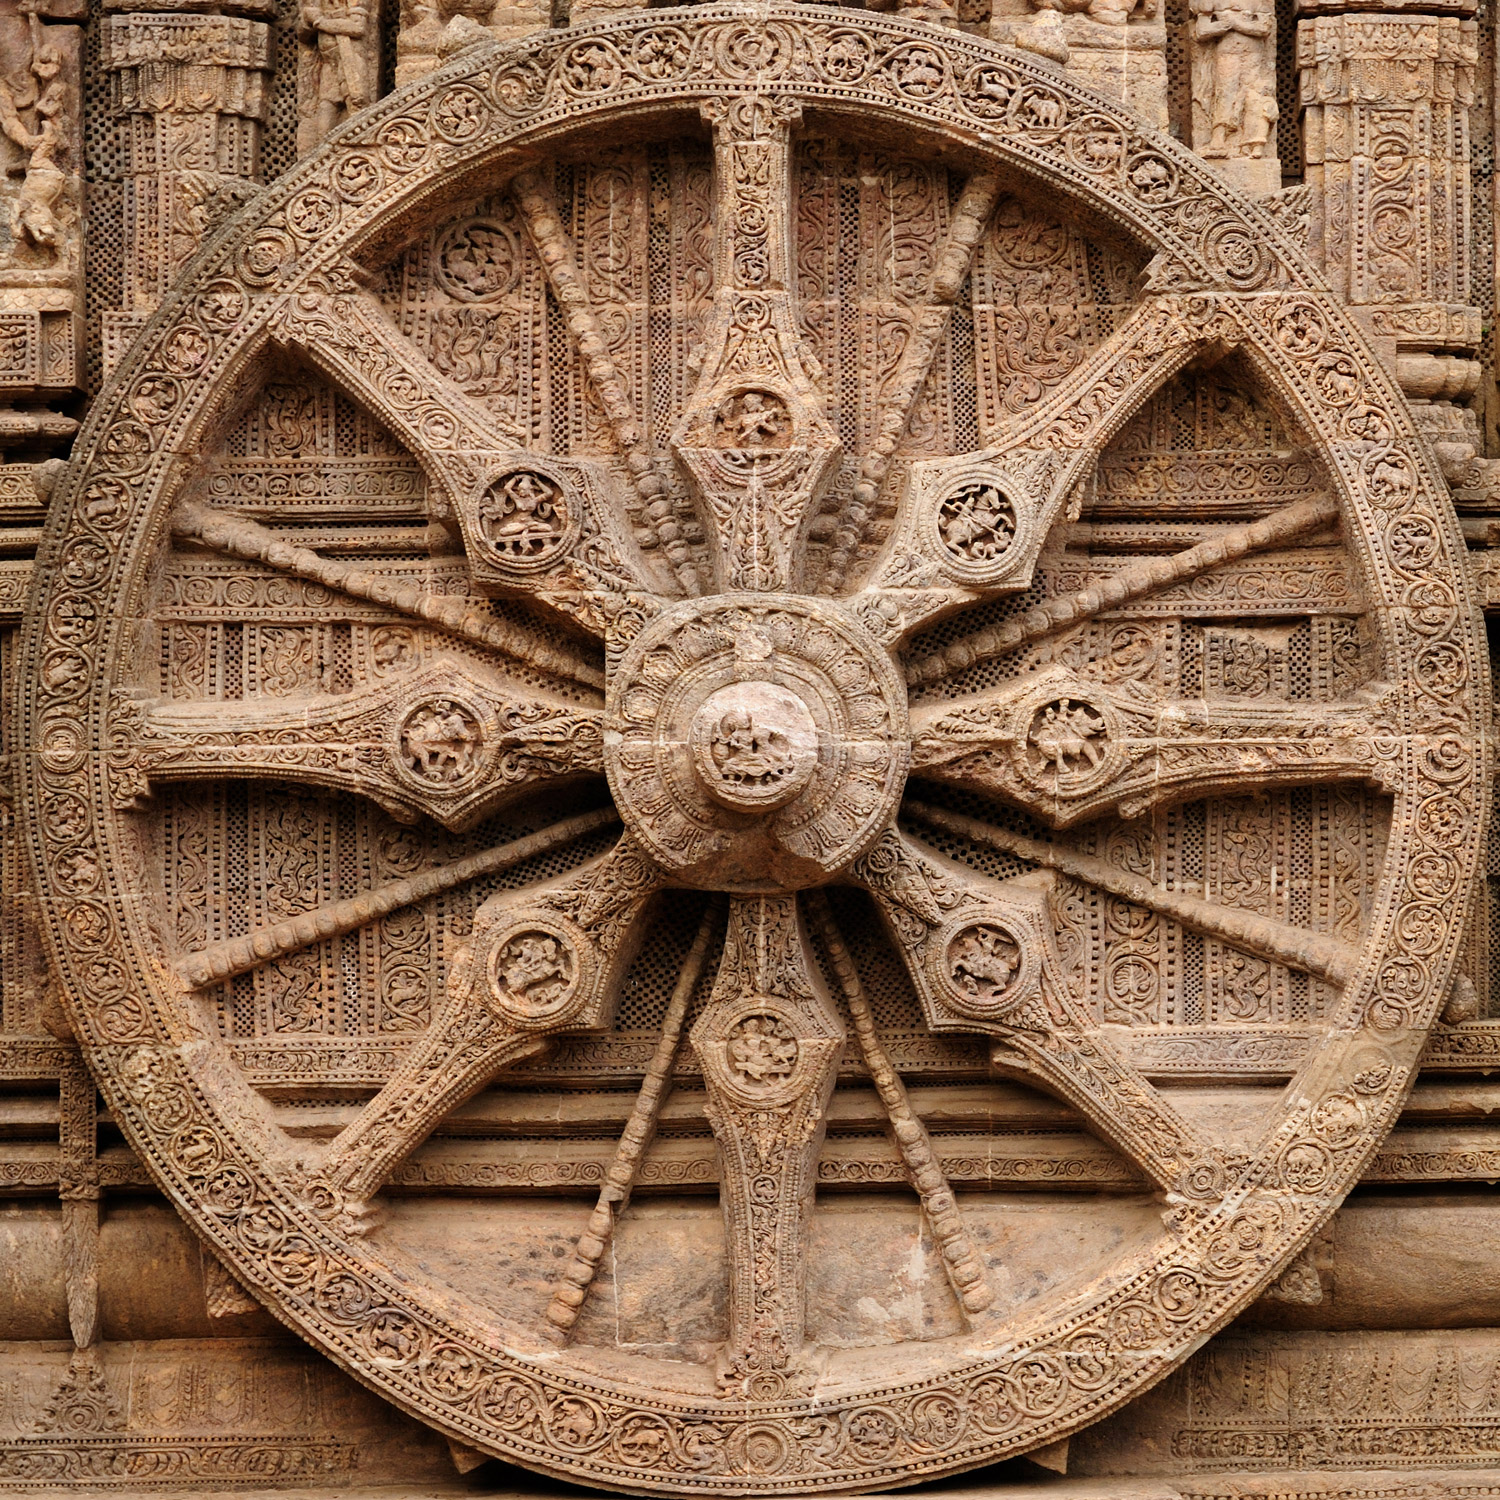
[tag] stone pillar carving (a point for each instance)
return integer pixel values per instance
(191, 93)
(1386, 101)
(41, 218)
(1232, 46)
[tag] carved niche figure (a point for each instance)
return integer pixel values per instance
(36, 89)
(40, 204)
(433, 30)
(1234, 78)
(337, 65)
(1115, 46)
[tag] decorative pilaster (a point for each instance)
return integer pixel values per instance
(82, 1402)
(1386, 100)
(191, 92)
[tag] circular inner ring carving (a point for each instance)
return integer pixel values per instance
(759, 744)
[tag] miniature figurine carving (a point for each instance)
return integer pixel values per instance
(336, 69)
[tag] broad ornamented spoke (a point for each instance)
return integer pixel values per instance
(540, 962)
(755, 436)
(533, 525)
(769, 1042)
(972, 526)
(454, 741)
(1066, 749)
(982, 957)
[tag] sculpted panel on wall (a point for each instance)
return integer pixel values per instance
(750, 749)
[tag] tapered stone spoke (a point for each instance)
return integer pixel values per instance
(930, 314)
(461, 617)
(554, 246)
(533, 525)
(769, 1041)
(982, 957)
(540, 962)
(1316, 953)
(263, 945)
(1066, 749)
(1138, 581)
(972, 526)
(755, 436)
(965, 1270)
(452, 741)
(567, 1301)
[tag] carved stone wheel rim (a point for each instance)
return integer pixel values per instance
(970, 1399)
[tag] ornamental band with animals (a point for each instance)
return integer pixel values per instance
(746, 748)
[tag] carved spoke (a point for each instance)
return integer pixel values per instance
(755, 436)
(965, 1270)
(930, 315)
(567, 1301)
(544, 224)
(264, 945)
(1137, 581)
(972, 526)
(540, 962)
(769, 1041)
(533, 525)
(453, 740)
(983, 958)
(1315, 953)
(1067, 749)
(234, 536)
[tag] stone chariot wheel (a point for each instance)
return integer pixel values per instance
(695, 474)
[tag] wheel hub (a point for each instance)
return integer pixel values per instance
(756, 743)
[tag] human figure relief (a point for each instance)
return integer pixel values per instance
(33, 115)
(336, 75)
(1108, 12)
(1234, 77)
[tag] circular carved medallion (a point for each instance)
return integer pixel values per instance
(754, 745)
(761, 1052)
(813, 747)
(534, 973)
(441, 742)
(524, 517)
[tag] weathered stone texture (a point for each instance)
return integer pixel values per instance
(748, 750)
